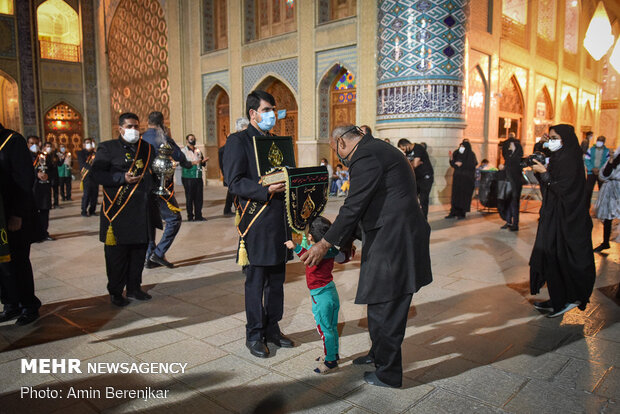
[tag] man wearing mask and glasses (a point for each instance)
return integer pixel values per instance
(264, 241)
(123, 167)
(395, 245)
(91, 190)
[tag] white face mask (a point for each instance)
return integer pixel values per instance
(461, 149)
(599, 144)
(88, 146)
(63, 149)
(131, 135)
(322, 164)
(554, 144)
(34, 148)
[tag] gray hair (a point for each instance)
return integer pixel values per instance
(241, 124)
(347, 131)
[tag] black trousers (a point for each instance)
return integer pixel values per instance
(387, 322)
(89, 198)
(229, 202)
(423, 187)
(55, 187)
(16, 278)
(590, 182)
(264, 300)
(65, 188)
(44, 220)
(124, 264)
(193, 197)
(514, 204)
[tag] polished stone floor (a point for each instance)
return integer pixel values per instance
(473, 343)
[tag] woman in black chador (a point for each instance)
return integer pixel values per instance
(562, 255)
(464, 163)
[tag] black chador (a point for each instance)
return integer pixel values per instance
(562, 255)
(463, 180)
(126, 211)
(42, 190)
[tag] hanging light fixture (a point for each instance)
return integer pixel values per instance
(598, 38)
(614, 59)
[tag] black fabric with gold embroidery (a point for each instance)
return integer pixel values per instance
(306, 195)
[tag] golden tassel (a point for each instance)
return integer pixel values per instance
(243, 255)
(5, 259)
(172, 207)
(237, 218)
(110, 240)
(81, 185)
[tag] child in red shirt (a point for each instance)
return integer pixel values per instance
(325, 301)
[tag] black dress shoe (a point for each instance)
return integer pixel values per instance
(84, 214)
(8, 314)
(258, 348)
(49, 238)
(119, 300)
(228, 213)
(362, 360)
(280, 340)
(200, 219)
(514, 228)
(161, 261)
(139, 295)
(505, 226)
(449, 216)
(27, 317)
(372, 379)
(148, 264)
(190, 219)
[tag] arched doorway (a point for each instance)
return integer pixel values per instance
(223, 118)
(9, 102)
(510, 109)
(343, 97)
(286, 107)
(543, 117)
(476, 110)
(588, 118)
(568, 110)
(64, 125)
(138, 60)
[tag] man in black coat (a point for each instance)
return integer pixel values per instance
(264, 283)
(122, 166)
(16, 278)
(90, 188)
(395, 244)
(41, 186)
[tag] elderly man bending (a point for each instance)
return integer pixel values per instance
(395, 244)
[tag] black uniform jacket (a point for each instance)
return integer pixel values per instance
(82, 156)
(16, 178)
(265, 239)
(42, 190)
(395, 235)
(112, 161)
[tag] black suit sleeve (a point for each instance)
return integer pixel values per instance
(365, 176)
(236, 172)
(20, 201)
(100, 170)
(178, 155)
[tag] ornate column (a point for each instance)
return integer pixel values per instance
(420, 78)
(27, 68)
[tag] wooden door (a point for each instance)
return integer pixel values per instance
(64, 125)
(342, 105)
(223, 118)
(286, 126)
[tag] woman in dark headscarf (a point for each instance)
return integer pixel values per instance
(562, 255)
(512, 153)
(464, 163)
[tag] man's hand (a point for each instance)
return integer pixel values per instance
(15, 223)
(42, 176)
(595, 171)
(197, 162)
(538, 167)
(316, 253)
(289, 244)
(277, 188)
(458, 163)
(130, 178)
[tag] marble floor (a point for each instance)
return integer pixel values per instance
(474, 343)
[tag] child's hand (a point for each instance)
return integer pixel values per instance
(290, 244)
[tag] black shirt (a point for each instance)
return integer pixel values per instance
(424, 170)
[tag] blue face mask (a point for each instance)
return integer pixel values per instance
(268, 121)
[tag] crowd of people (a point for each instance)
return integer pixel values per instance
(379, 182)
